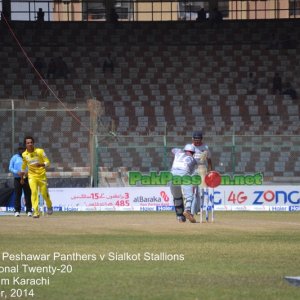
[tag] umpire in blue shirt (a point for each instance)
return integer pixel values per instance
(20, 184)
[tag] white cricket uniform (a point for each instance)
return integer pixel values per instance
(183, 164)
(201, 155)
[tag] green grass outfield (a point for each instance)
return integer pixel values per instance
(148, 255)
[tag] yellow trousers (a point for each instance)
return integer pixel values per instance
(36, 186)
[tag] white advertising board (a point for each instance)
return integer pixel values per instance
(235, 198)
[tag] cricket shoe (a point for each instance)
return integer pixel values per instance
(29, 214)
(181, 219)
(36, 216)
(50, 211)
(17, 214)
(189, 216)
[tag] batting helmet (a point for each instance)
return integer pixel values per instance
(190, 148)
(197, 135)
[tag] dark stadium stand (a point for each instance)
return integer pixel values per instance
(185, 74)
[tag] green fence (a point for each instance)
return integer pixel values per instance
(277, 157)
(75, 144)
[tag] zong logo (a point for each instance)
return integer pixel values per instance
(281, 197)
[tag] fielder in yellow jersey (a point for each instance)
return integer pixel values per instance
(37, 161)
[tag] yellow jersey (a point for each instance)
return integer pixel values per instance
(31, 158)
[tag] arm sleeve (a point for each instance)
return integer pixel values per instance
(175, 150)
(11, 166)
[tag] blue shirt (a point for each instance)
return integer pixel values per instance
(15, 165)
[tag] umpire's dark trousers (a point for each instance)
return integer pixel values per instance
(19, 188)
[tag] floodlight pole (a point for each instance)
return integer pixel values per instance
(94, 107)
(12, 126)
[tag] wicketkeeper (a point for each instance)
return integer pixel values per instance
(203, 157)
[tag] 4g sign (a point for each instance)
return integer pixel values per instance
(237, 198)
(286, 195)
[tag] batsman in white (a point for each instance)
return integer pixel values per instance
(203, 157)
(183, 164)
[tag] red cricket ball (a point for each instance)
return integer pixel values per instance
(213, 179)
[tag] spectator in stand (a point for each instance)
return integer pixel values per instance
(51, 73)
(289, 90)
(251, 83)
(215, 16)
(113, 16)
(40, 15)
(57, 68)
(62, 70)
(108, 64)
(273, 42)
(40, 66)
(288, 42)
(201, 15)
(277, 84)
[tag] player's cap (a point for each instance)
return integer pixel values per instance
(21, 147)
(190, 148)
(197, 135)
